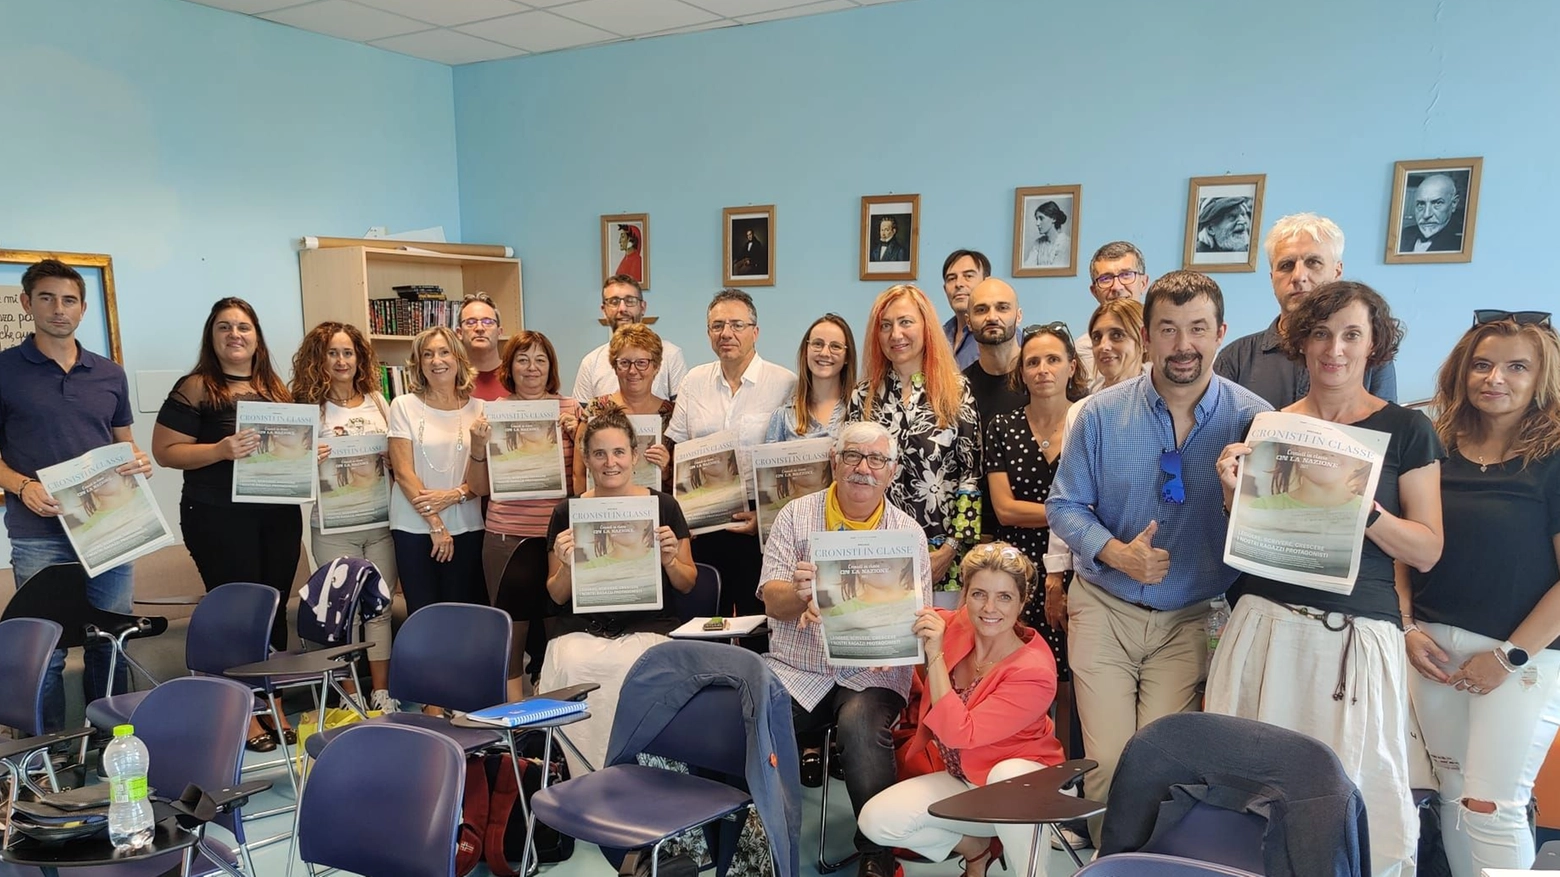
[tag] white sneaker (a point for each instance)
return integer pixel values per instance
(383, 702)
(1078, 841)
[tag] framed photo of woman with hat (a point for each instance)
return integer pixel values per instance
(625, 246)
(1223, 215)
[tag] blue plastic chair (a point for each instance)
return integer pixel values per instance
(701, 602)
(410, 779)
(1155, 865)
(25, 647)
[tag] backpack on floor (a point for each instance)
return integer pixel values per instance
(492, 827)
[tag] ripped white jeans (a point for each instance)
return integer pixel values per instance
(1487, 747)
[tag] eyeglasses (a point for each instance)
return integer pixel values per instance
(1174, 489)
(737, 326)
(1521, 318)
(618, 300)
(820, 345)
(1122, 277)
(474, 322)
(1056, 326)
(874, 461)
(624, 365)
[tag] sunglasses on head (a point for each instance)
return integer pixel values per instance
(1521, 318)
(1056, 326)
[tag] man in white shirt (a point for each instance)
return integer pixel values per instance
(1116, 271)
(623, 302)
(737, 392)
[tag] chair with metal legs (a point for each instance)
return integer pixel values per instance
(1034, 798)
(824, 865)
(26, 645)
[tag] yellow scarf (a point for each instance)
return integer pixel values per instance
(834, 517)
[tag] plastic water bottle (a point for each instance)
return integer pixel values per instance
(125, 761)
(1218, 616)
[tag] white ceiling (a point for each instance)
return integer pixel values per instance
(468, 31)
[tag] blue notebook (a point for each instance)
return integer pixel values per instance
(527, 712)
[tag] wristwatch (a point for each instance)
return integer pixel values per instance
(1515, 656)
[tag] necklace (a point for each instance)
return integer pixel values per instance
(460, 440)
(1048, 434)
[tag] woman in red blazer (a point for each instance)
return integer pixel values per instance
(990, 681)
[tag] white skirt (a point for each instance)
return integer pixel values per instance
(581, 657)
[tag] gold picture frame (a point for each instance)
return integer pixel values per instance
(748, 245)
(99, 330)
(898, 256)
(1216, 208)
(1058, 207)
(1450, 216)
(625, 246)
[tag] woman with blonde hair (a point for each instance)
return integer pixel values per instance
(335, 368)
(913, 388)
(436, 525)
(826, 374)
(1485, 631)
(635, 356)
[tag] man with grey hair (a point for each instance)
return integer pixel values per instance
(1304, 252)
(862, 702)
(1115, 271)
(1435, 206)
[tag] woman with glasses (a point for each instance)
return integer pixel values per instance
(1022, 449)
(914, 389)
(1487, 691)
(516, 534)
(635, 355)
(985, 716)
(1327, 664)
(600, 646)
(826, 370)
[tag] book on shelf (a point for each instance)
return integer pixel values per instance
(527, 712)
(402, 316)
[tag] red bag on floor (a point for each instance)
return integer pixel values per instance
(914, 753)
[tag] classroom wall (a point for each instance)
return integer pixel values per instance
(195, 146)
(963, 100)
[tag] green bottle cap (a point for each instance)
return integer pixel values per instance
(124, 730)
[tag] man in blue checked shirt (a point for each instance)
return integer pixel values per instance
(1138, 499)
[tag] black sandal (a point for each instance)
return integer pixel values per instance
(812, 768)
(287, 734)
(261, 742)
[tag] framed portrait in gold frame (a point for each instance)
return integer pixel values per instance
(1435, 203)
(748, 245)
(1223, 215)
(1045, 231)
(625, 246)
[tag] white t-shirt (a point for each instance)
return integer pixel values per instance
(441, 443)
(368, 418)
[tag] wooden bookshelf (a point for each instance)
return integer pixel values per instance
(338, 283)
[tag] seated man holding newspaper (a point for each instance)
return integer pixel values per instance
(863, 697)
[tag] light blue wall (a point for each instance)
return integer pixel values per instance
(195, 146)
(962, 100)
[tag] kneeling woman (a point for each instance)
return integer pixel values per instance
(990, 681)
(600, 646)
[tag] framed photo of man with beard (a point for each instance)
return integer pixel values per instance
(1434, 205)
(1222, 218)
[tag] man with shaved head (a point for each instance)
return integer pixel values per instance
(1435, 207)
(993, 315)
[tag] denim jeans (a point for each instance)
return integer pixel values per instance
(111, 590)
(864, 726)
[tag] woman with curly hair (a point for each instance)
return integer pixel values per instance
(335, 368)
(1485, 631)
(914, 389)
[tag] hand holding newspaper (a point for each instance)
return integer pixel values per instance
(616, 558)
(785, 471)
(525, 450)
(707, 482)
(354, 485)
(867, 595)
(109, 518)
(283, 469)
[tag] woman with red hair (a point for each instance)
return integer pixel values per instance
(914, 389)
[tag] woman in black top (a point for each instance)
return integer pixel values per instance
(601, 646)
(1332, 665)
(196, 432)
(1486, 617)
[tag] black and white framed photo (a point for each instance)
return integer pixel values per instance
(1434, 205)
(749, 245)
(1045, 231)
(890, 236)
(1223, 215)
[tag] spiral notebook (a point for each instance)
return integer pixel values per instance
(527, 712)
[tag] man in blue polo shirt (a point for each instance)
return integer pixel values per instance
(1138, 499)
(58, 401)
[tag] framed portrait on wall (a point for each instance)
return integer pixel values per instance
(99, 328)
(1223, 215)
(1434, 205)
(749, 246)
(625, 246)
(1045, 231)
(890, 237)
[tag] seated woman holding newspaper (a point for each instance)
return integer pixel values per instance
(611, 581)
(990, 682)
(1328, 660)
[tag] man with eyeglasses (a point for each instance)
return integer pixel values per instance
(962, 270)
(1137, 497)
(622, 303)
(478, 329)
(863, 703)
(737, 392)
(1304, 252)
(1116, 271)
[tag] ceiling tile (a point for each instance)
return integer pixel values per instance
(735, 8)
(448, 12)
(250, 7)
(635, 17)
(692, 28)
(537, 32)
(349, 21)
(798, 11)
(447, 47)
(545, 4)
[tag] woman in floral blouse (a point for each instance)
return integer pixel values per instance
(914, 389)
